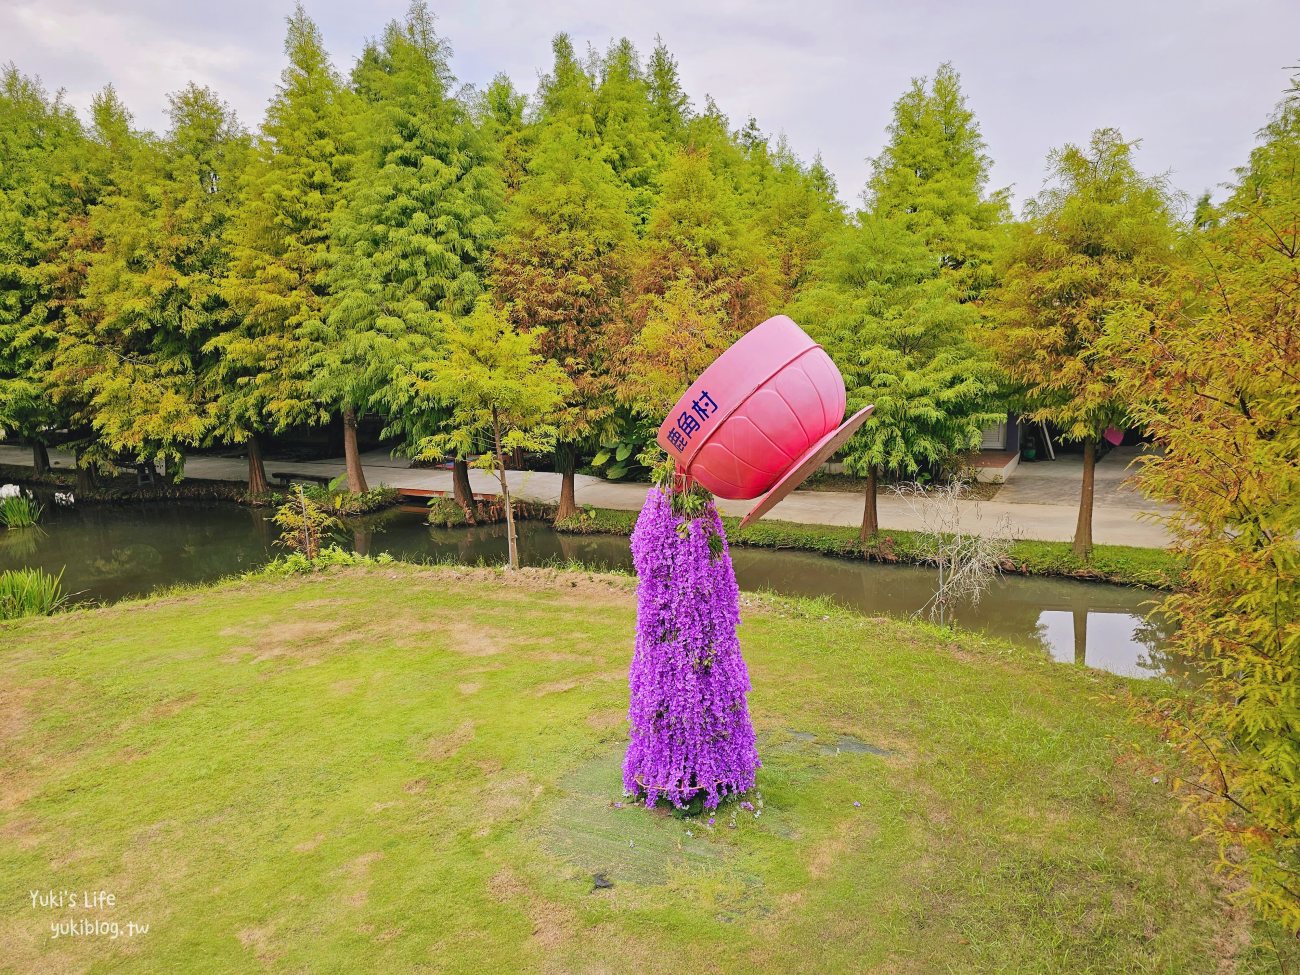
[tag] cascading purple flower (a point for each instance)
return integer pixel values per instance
(691, 732)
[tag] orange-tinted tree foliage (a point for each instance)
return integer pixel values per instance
(1215, 374)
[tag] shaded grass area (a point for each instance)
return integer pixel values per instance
(1123, 564)
(416, 769)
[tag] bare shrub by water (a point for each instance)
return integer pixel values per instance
(967, 558)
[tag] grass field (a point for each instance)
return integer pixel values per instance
(403, 769)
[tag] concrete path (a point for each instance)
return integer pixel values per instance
(1041, 500)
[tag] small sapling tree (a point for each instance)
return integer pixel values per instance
(495, 387)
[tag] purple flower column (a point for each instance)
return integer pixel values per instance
(690, 723)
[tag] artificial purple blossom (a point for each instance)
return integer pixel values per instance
(690, 733)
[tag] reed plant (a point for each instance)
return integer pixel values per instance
(19, 511)
(30, 592)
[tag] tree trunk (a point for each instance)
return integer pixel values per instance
(870, 516)
(512, 540)
(85, 478)
(40, 459)
(566, 461)
(1083, 533)
(351, 455)
(361, 538)
(460, 486)
(257, 485)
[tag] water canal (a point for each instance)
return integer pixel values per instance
(110, 552)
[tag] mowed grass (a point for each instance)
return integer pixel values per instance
(405, 769)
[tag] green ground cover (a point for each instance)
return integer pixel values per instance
(416, 769)
(1124, 564)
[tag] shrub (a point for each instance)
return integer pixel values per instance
(344, 502)
(447, 512)
(30, 592)
(296, 563)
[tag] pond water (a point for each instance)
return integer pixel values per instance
(107, 553)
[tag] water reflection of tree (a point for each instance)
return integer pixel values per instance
(1155, 633)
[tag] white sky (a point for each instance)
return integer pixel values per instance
(1193, 79)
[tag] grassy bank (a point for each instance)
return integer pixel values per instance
(406, 769)
(1123, 564)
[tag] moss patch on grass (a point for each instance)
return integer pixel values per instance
(394, 768)
(1122, 564)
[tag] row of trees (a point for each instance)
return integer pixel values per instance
(206, 286)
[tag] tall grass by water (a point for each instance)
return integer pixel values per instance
(30, 592)
(19, 511)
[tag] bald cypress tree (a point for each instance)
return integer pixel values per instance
(569, 89)
(152, 297)
(900, 335)
(700, 252)
(670, 108)
(104, 166)
(411, 240)
(630, 142)
(1097, 241)
(41, 143)
(561, 267)
(932, 175)
(499, 113)
(892, 297)
(277, 286)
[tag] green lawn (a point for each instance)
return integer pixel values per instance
(404, 769)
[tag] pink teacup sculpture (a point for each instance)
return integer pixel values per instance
(761, 418)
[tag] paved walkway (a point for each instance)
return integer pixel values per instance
(1041, 500)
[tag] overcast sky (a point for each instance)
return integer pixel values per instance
(1193, 79)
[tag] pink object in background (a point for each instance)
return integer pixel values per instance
(1114, 436)
(761, 418)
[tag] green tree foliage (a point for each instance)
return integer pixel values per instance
(699, 252)
(109, 159)
(561, 267)
(1098, 239)
(499, 112)
(670, 108)
(496, 388)
(279, 250)
(412, 235)
(792, 206)
(933, 176)
(896, 327)
(569, 90)
(630, 142)
(891, 298)
(40, 198)
(151, 299)
(1214, 372)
